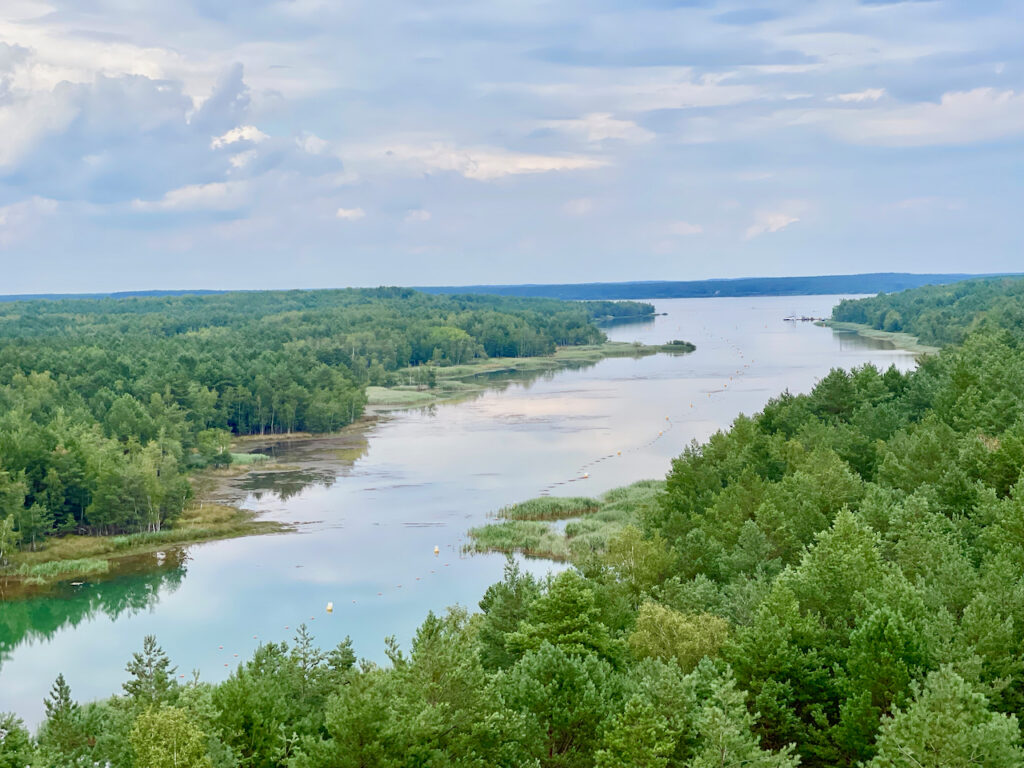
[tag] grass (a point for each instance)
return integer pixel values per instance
(78, 556)
(898, 340)
(54, 570)
(525, 528)
(550, 508)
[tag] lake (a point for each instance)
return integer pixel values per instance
(370, 506)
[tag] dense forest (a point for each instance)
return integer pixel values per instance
(941, 314)
(875, 282)
(105, 403)
(835, 581)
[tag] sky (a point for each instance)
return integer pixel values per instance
(148, 144)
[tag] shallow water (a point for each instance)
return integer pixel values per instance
(371, 507)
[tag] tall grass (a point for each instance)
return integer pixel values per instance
(41, 573)
(550, 508)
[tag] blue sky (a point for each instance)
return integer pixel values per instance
(306, 143)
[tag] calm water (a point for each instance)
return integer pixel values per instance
(372, 507)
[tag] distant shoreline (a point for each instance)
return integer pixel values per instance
(899, 340)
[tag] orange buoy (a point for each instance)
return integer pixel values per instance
(437, 550)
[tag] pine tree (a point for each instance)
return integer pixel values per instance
(152, 676)
(639, 737)
(948, 724)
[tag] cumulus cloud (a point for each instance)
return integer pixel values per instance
(350, 214)
(244, 133)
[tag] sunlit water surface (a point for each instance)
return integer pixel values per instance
(372, 507)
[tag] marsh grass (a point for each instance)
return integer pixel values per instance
(76, 556)
(550, 508)
(526, 527)
(42, 573)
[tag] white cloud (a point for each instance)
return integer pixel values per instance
(961, 117)
(601, 126)
(216, 196)
(248, 133)
(417, 215)
(769, 221)
(19, 221)
(579, 207)
(480, 164)
(684, 228)
(350, 214)
(871, 94)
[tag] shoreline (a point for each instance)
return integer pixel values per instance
(902, 341)
(213, 518)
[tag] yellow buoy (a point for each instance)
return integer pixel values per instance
(437, 550)
(618, 453)
(330, 607)
(666, 418)
(660, 434)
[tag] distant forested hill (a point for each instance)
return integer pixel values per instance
(880, 282)
(942, 314)
(104, 402)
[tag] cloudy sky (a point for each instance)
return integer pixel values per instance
(323, 143)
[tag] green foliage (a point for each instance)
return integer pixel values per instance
(948, 724)
(164, 737)
(662, 633)
(838, 580)
(16, 749)
(638, 736)
(566, 616)
(152, 676)
(941, 314)
(105, 403)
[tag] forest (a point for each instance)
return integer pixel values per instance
(105, 404)
(874, 282)
(837, 580)
(941, 314)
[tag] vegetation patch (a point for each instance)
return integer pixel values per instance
(592, 523)
(54, 570)
(550, 508)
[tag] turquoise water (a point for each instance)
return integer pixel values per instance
(371, 508)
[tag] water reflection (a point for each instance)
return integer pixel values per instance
(135, 586)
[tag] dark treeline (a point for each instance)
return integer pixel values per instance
(941, 314)
(104, 403)
(876, 282)
(836, 581)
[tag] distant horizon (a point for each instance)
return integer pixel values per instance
(945, 277)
